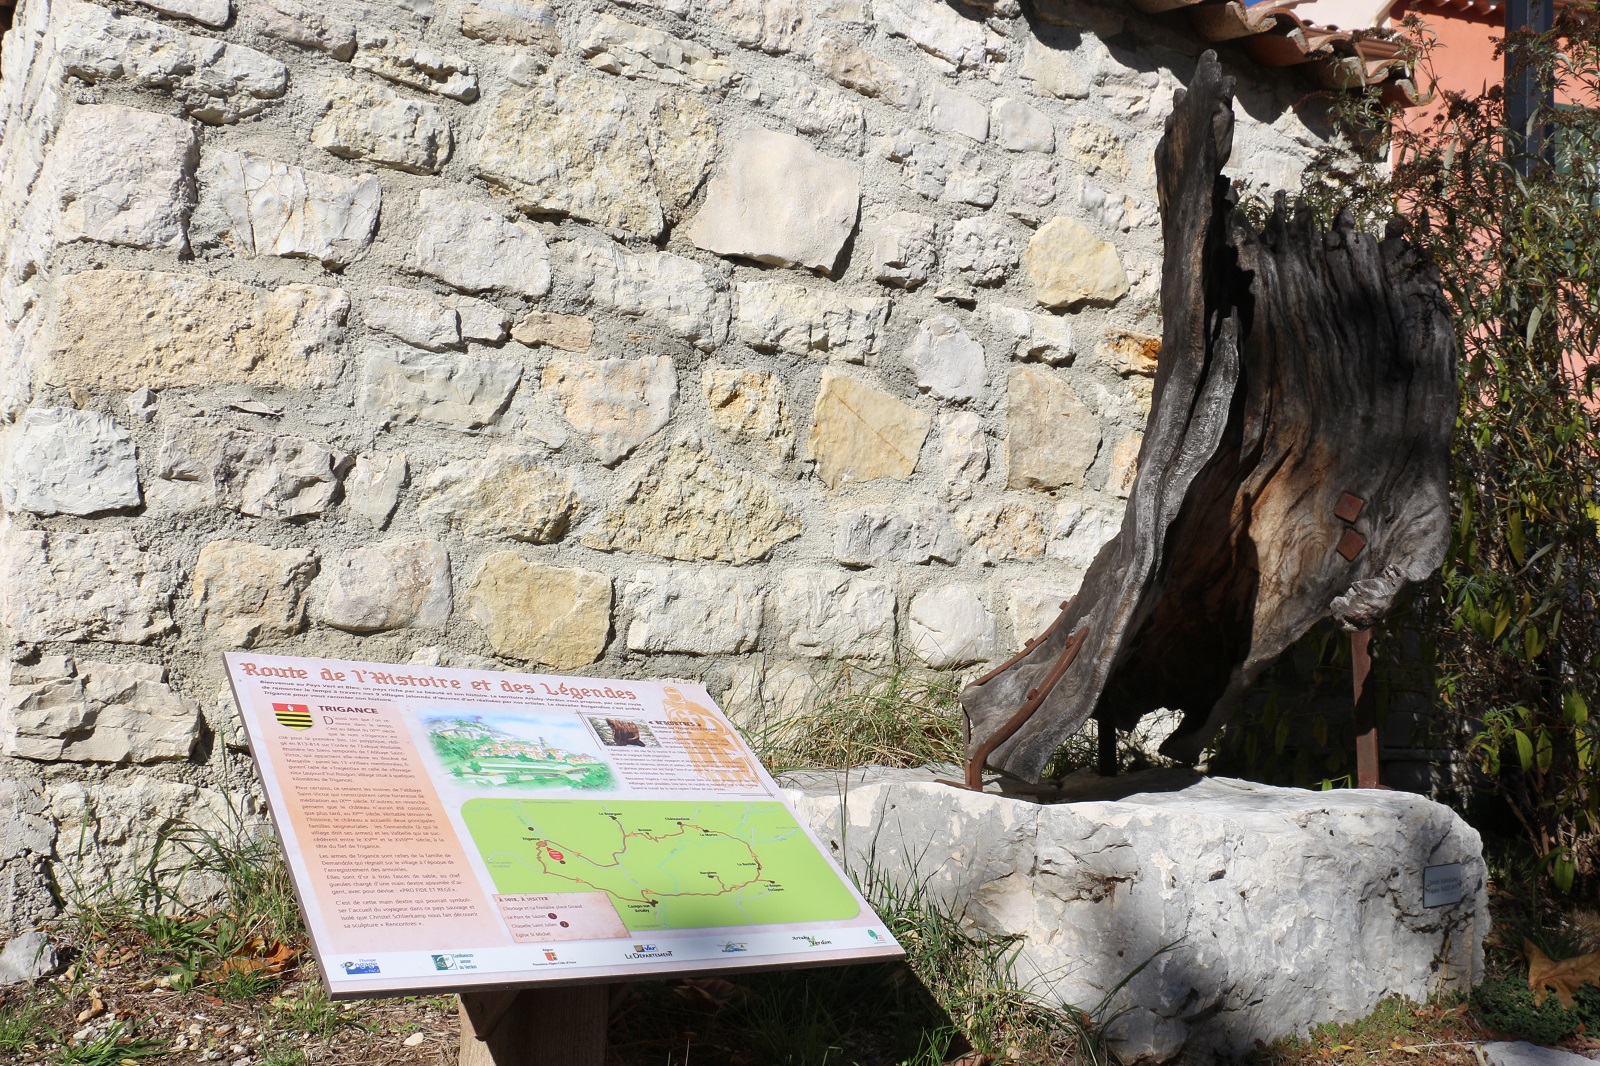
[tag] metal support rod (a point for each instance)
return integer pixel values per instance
(1523, 98)
(1106, 735)
(1366, 709)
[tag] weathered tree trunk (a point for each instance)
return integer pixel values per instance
(1295, 464)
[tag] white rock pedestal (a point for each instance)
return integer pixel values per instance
(1286, 908)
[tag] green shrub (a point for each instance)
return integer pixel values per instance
(1506, 1006)
(1514, 232)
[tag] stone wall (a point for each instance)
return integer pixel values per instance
(720, 338)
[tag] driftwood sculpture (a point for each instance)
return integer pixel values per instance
(1295, 465)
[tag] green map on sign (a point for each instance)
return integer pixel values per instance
(666, 864)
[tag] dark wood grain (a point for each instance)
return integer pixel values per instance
(1298, 367)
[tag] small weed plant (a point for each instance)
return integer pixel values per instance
(857, 715)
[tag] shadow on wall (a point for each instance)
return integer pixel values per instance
(1155, 44)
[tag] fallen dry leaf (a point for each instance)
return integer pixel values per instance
(707, 993)
(274, 962)
(1563, 976)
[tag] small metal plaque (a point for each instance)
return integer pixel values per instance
(1350, 545)
(1441, 885)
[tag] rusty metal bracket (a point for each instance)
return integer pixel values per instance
(1034, 700)
(1027, 647)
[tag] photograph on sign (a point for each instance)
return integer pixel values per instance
(451, 829)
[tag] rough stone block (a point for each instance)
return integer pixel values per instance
(1116, 211)
(1002, 532)
(915, 533)
(569, 333)
(1056, 72)
(1130, 353)
(481, 320)
(1036, 338)
(938, 29)
(963, 453)
(678, 294)
(205, 463)
(214, 82)
(777, 200)
(617, 403)
(905, 249)
(981, 251)
(947, 361)
(950, 174)
(692, 611)
(1125, 464)
(1078, 532)
(1098, 150)
(369, 122)
(574, 144)
(1523, 1053)
(128, 329)
(949, 626)
(27, 956)
(1069, 265)
(812, 110)
(1034, 606)
(83, 586)
(953, 111)
(457, 391)
(389, 585)
(861, 433)
(289, 20)
(552, 615)
(1052, 437)
(747, 407)
(119, 175)
(473, 247)
(209, 12)
(414, 65)
(776, 316)
(250, 594)
(1130, 883)
(634, 51)
(828, 614)
(65, 461)
(773, 26)
(259, 206)
(372, 489)
(1019, 127)
(419, 318)
(531, 22)
(852, 66)
(687, 505)
(510, 492)
(1033, 186)
(96, 712)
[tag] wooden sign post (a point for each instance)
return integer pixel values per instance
(561, 1026)
(529, 841)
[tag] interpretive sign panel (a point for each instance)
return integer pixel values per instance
(451, 829)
